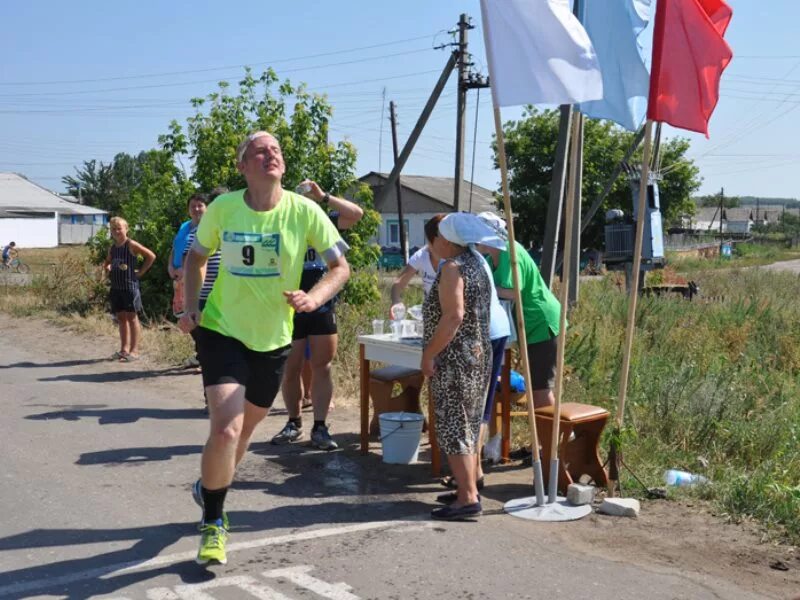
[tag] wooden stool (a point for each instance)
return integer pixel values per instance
(381, 385)
(579, 455)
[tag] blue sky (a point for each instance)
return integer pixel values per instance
(83, 80)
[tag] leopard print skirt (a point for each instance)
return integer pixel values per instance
(458, 386)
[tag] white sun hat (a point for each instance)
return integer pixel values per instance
(465, 229)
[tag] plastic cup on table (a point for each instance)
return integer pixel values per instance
(377, 326)
(397, 330)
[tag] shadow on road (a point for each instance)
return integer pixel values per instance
(63, 363)
(119, 416)
(135, 455)
(118, 376)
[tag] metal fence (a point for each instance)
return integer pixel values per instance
(78, 233)
(688, 241)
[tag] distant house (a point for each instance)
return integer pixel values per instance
(423, 197)
(735, 220)
(35, 217)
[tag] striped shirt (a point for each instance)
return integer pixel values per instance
(212, 267)
(123, 268)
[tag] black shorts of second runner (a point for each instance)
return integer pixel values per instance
(125, 301)
(542, 361)
(314, 323)
(227, 360)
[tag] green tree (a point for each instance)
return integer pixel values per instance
(530, 148)
(107, 186)
(93, 184)
(712, 201)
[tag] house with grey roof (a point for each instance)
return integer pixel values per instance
(423, 197)
(35, 217)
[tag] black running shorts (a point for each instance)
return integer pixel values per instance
(125, 301)
(314, 323)
(542, 361)
(227, 360)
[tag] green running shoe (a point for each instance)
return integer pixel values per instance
(212, 544)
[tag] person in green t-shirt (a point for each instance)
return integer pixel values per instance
(244, 333)
(540, 308)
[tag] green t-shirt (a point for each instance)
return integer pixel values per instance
(541, 308)
(262, 256)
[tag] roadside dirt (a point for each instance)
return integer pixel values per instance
(668, 534)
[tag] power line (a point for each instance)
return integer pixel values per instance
(208, 70)
(194, 82)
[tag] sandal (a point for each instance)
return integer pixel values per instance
(118, 355)
(457, 513)
(129, 358)
(450, 482)
(450, 497)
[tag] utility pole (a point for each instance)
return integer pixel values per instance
(553, 222)
(576, 221)
(463, 27)
(401, 223)
(415, 133)
(459, 58)
(380, 135)
(551, 259)
(721, 208)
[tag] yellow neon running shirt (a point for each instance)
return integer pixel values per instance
(262, 256)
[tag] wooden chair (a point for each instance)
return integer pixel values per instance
(381, 385)
(579, 454)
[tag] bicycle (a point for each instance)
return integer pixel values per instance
(15, 265)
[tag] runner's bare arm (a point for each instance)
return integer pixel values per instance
(107, 261)
(400, 283)
(327, 287)
(350, 213)
(193, 269)
(147, 255)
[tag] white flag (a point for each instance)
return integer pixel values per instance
(539, 53)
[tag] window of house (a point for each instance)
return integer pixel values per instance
(393, 231)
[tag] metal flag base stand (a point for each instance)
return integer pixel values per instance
(533, 508)
(560, 510)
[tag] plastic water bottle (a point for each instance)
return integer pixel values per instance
(682, 478)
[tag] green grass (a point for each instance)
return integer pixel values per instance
(714, 383)
(744, 255)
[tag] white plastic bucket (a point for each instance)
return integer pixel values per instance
(400, 435)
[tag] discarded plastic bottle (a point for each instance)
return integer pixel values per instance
(682, 478)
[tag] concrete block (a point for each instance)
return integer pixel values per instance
(578, 494)
(620, 507)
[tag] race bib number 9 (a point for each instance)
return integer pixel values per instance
(251, 254)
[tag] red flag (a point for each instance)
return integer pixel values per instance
(689, 55)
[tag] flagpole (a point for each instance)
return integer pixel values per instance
(634, 296)
(566, 268)
(538, 482)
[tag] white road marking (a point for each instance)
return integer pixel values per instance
(299, 576)
(169, 559)
(161, 593)
(196, 591)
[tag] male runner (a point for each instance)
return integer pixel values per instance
(245, 329)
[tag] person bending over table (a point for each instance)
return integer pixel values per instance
(423, 262)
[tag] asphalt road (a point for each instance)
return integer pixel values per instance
(98, 459)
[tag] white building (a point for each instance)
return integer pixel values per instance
(423, 197)
(35, 217)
